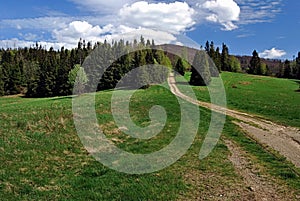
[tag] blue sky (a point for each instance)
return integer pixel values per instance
(271, 26)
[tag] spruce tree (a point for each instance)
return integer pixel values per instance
(1, 82)
(200, 70)
(217, 59)
(179, 68)
(298, 66)
(255, 64)
(225, 58)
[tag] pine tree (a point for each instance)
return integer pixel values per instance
(217, 59)
(1, 82)
(298, 66)
(225, 58)
(255, 64)
(63, 87)
(200, 70)
(211, 51)
(179, 68)
(207, 47)
(32, 73)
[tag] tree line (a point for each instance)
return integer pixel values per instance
(37, 72)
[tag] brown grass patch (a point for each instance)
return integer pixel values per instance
(245, 83)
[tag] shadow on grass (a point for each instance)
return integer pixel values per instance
(183, 83)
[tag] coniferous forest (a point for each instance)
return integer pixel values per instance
(37, 72)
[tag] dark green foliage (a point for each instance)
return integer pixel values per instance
(298, 66)
(62, 86)
(179, 68)
(216, 58)
(254, 63)
(257, 67)
(225, 63)
(200, 70)
(1, 82)
(287, 71)
(37, 72)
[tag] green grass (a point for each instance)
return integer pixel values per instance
(272, 162)
(274, 98)
(42, 157)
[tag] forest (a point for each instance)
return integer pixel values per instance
(37, 72)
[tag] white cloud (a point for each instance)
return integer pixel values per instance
(257, 11)
(108, 19)
(272, 53)
(172, 17)
(80, 29)
(225, 12)
(160, 37)
(16, 43)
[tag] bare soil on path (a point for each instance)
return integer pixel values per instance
(285, 140)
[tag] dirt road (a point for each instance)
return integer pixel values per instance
(285, 140)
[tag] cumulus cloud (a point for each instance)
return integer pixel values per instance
(225, 12)
(16, 43)
(80, 29)
(108, 19)
(172, 17)
(160, 37)
(272, 53)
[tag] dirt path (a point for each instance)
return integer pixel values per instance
(285, 140)
(261, 187)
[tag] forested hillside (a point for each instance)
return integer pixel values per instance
(37, 72)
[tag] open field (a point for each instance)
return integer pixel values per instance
(43, 158)
(275, 99)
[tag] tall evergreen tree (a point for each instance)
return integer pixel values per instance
(207, 47)
(298, 66)
(1, 82)
(225, 66)
(254, 63)
(217, 59)
(200, 70)
(63, 87)
(179, 68)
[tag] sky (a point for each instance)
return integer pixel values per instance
(271, 26)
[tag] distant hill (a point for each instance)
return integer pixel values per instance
(273, 64)
(179, 51)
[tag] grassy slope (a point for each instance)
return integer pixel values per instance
(43, 158)
(273, 98)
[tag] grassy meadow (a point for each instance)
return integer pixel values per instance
(273, 98)
(42, 157)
